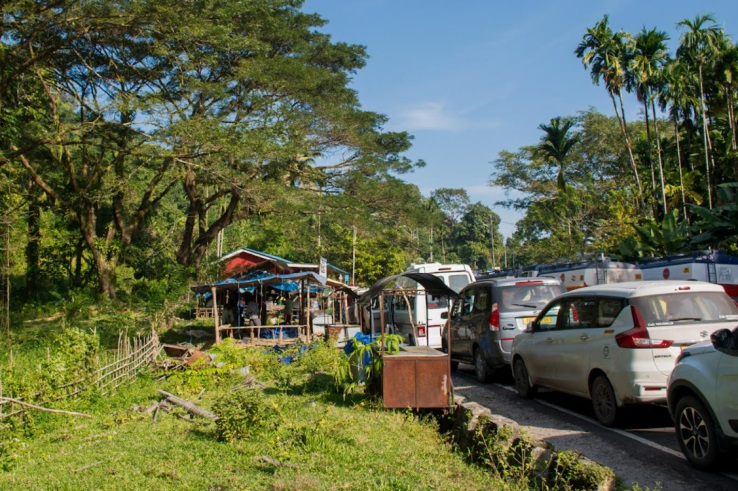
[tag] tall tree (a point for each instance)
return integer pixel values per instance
(649, 55)
(224, 99)
(555, 145)
(453, 202)
(676, 95)
(696, 46)
(604, 53)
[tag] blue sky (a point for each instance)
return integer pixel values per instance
(472, 78)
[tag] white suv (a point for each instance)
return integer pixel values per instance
(617, 344)
(703, 399)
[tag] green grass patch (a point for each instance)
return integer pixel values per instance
(283, 427)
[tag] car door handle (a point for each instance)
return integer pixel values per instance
(584, 337)
(549, 340)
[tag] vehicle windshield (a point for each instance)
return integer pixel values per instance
(457, 281)
(526, 296)
(686, 307)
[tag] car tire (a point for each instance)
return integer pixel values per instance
(481, 368)
(603, 401)
(696, 433)
(522, 380)
(454, 366)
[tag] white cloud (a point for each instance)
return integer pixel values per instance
(435, 116)
(430, 116)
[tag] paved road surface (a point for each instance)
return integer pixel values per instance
(642, 450)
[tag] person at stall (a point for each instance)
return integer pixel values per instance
(252, 310)
(288, 306)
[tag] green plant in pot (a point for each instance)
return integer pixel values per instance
(364, 365)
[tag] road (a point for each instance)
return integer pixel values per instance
(642, 450)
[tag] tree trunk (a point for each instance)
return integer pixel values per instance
(679, 160)
(704, 137)
(660, 159)
(630, 150)
(34, 234)
(648, 138)
(194, 246)
(105, 264)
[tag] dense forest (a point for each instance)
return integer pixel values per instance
(140, 140)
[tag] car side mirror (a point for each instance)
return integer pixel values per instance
(444, 314)
(724, 340)
(530, 326)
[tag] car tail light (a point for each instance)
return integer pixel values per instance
(494, 318)
(638, 337)
(421, 331)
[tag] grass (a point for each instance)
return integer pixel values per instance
(306, 436)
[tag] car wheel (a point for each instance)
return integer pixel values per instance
(481, 368)
(696, 433)
(603, 401)
(522, 380)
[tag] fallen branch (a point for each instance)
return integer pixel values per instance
(189, 406)
(46, 409)
(277, 463)
(88, 466)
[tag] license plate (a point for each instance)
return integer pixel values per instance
(526, 320)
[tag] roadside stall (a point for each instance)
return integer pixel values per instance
(266, 309)
(417, 376)
(344, 321)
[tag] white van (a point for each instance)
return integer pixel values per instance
(405, 312)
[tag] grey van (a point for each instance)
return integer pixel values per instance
(490, 315)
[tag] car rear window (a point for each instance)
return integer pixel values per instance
(457, 281)
(526, 296)
(686, 307)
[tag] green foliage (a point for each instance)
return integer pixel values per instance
(657, 239)
(365, 364)
(718, 227)
(194, 380)
(242, 414)
(321, 357)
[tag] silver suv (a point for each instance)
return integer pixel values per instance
(490, 315)
(703, 399)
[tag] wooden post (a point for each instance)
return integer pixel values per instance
(215, 315)
(381, 320)
(309, 330)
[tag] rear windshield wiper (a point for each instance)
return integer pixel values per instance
(525, 305)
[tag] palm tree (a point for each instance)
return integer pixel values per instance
(726, 73)
(696, 47)
(556, 144)
(675, 94)
(604, 53)
(649, 55)
(554, 147)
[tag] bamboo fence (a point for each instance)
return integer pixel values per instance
(114, 369)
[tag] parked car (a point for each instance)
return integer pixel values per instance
(490, 315)
(617, 344)
(703, 399)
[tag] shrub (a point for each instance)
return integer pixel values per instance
(241, 414)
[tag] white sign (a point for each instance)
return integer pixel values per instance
(323, 267)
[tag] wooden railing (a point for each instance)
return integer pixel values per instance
(115, 368)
